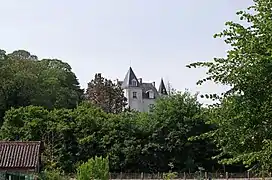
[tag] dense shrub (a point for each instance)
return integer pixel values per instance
(52, 175)
(95, 168)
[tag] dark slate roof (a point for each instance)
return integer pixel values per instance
(147, 87)
(162, 89)
(128, 79)
(14, 154)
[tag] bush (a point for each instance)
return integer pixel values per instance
(95, 168)
(52, 175)
(169, 176)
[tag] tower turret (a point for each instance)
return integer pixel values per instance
(130, 80)
(162, 89)
(133, 91)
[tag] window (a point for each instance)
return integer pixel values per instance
(134, 82)
(151, 106)
(151, 95)
(134, 95)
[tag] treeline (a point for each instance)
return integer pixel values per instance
(134, 141)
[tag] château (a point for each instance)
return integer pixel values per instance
(141, 96)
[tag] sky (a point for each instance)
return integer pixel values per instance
(157, 38)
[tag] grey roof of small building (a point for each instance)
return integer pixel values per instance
(128, 79)
(162, 89)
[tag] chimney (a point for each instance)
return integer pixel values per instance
(140, 80)
(153, 83)
(98, 75)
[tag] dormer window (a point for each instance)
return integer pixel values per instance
(134, 82)
(151, 95)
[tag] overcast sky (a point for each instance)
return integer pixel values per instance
(156, 37)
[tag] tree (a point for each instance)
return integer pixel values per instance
(243, 117)
(106, 94)
(22, 55)
(3, 55)
(59, 87)
(25, 123)
(126, 140)
(18, 81)
(175, 118)
(25, 80)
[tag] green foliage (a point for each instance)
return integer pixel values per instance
(243, 117)
(169, 175)
(41, 100)
(24, 123)
(106, 94)
(52, 175)
(25, 80)
(95, 168)
(178, 117)
(134, 141)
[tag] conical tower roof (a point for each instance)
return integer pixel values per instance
(130, 76)
(162, 89)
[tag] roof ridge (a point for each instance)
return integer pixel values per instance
(24, 142)
(17, 141)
